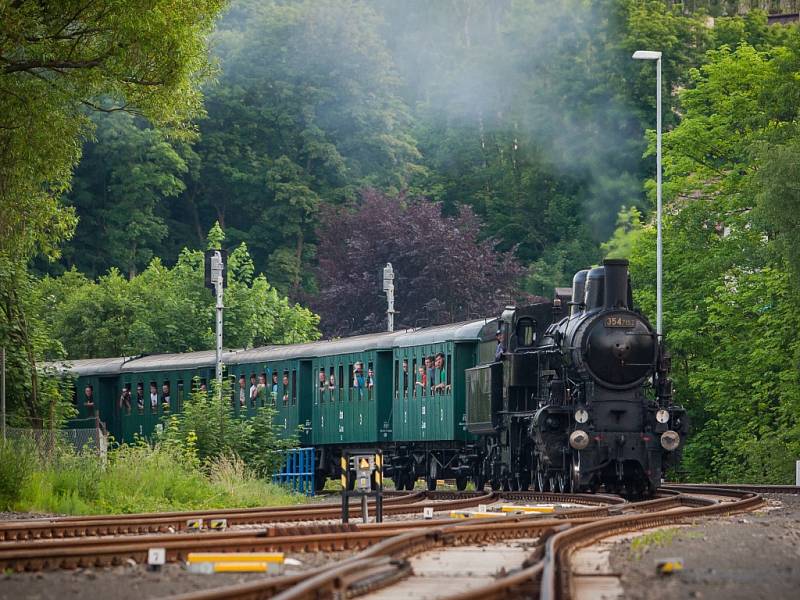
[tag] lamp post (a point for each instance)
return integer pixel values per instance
(656, 56)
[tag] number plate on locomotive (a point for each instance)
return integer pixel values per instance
(624, 322)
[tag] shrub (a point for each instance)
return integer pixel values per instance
(17, 462)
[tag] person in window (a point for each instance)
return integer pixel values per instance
(405, 378)
(140, 397)
(358, 378)
(332, 385)
(125, 399)
(323, 385)
(242, 391)
(370, 379)
(204, 387)
(422, 380)
(441, 386)
(253, 390)
(165, 397)
(153, 397)
(285, 389)
(273, 393)
(500, 350)
(261, 390)
(88, 392)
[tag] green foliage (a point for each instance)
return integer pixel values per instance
(169, 309)
(141, 478)
(629, 227)
(730, 306)
(17, 462)
(207, 431)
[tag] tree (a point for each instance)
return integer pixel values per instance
(57, 61)
(306, 111)
(169, 310)
(443, 271)
(730, 312)
(119, 195)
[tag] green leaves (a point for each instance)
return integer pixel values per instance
(169, 310)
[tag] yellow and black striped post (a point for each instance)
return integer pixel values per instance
(344, 472)
(379, 469)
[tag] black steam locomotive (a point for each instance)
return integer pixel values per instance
(581, 397)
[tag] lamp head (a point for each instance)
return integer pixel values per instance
(646, 55)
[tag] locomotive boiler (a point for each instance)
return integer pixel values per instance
(581, 396)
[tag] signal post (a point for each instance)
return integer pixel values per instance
(365, 479)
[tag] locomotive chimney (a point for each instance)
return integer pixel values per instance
(616, 284)
(578, 291)
(595, 282)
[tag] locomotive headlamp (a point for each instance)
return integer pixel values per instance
(579, 439)
(581, 415)
(670, 440)
(662, 416)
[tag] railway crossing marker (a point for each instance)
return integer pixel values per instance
(362, 477)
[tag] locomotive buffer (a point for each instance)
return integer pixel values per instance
(362, 477)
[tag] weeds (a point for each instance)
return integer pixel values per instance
(137, 478)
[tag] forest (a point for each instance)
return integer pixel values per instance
(488, 149)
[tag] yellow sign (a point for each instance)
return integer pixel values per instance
(363, 463)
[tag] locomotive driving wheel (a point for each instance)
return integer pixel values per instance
(461, 482)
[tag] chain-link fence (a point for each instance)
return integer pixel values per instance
(88, 438)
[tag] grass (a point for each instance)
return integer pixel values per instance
(656, 539)
(136, 478)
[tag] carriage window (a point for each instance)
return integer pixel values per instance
(140, 397)
(396, 378)
(341, 383)
(405, 378)
(125, 399)
(179, 401)
(285, 388)
(166, 397)
(526, 332)
(370, 381)
(294, 387)
(322, 385)
(416, 377)
(332, 384)
(153, 397)
(449, 372)
(352, 383)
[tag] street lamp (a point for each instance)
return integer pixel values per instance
(656, 56)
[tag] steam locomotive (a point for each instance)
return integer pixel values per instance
(579, 400)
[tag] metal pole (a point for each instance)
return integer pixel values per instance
(390, 312)
(659, 248)
(3, 390)
(220, 306)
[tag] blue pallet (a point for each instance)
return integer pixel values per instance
(297, 472)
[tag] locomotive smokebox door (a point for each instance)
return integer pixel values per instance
(365, 465)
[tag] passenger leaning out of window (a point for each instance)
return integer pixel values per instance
(261, 389)
(88, 403)
(358, 378)
(140, 397)
(430, 372)
(153, 397)
(253, 390)
(166, 401)
(441, 385)
(125, 399)
(273, 395)
(285, 389)
(500, 350)
(242, 391)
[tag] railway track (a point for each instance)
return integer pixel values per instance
(545, 574)
(49, 553)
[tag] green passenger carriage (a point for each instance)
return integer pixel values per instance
(333, 394)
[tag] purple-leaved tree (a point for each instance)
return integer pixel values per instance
(444, 272)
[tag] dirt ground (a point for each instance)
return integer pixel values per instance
(133, 582)
(748, 556)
